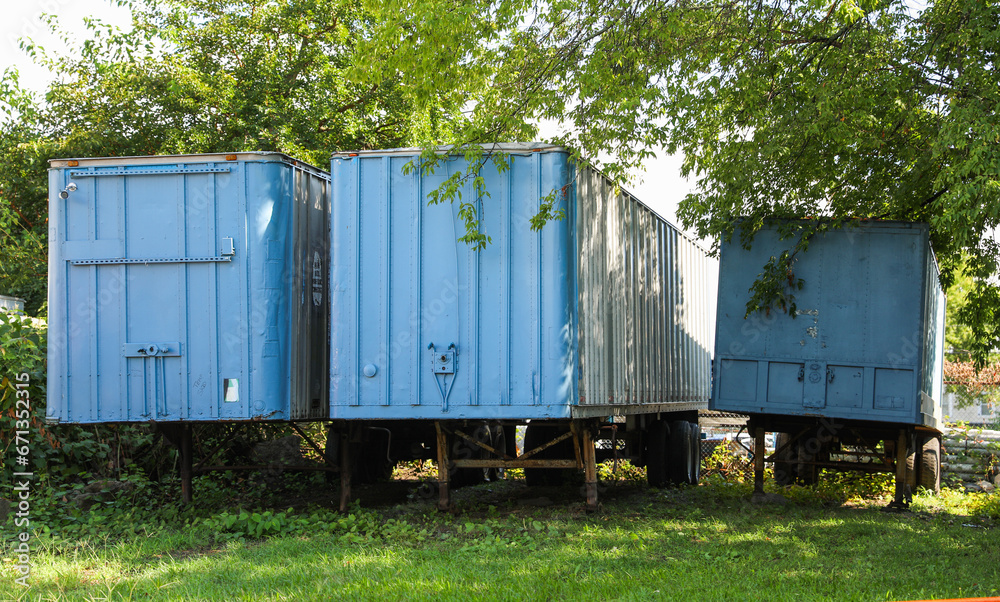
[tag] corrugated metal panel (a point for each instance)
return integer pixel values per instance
(187, 288)
(575, 318)
(646, 292)
(866, 342)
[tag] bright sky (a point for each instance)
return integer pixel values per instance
(661, 189)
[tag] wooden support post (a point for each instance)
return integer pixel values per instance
(444, 501)
(185, 449)
(345, 470)
(590, 468)
(758, 461)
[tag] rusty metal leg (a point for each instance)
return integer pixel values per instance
(590, 468)
(758, 461)
(345, 470)
(901, 498)
(185, 449)
(444, 501)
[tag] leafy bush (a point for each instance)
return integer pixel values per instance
(728, 461)
(22, 394)
(625, 472)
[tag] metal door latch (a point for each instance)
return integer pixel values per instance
(151, 349)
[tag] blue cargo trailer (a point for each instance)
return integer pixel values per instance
(597, 325)
(188, 289)
(853, 377)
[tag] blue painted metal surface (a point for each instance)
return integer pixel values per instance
(866, 343)
(187, 288)
(608, 311)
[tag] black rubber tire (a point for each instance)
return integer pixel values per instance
(462, 449)
(657, 453)
(930, 464)
(680, 451)
(510, 435)
(371, 464)
(498, 441)
(538, 434)
(695, 453)
(784, 465)
(806, 474)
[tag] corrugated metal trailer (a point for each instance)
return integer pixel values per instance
(606, 313)
(187, 289)
(852, 380)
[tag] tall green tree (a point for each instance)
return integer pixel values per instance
(840, 109)
(189, 76)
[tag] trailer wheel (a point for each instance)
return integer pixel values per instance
(462, 449)
(657, 453)
(930, 464)
(680, 451)
(510, 435)
(808, 474)
(540, 434)
(498, 442)
(695, 453)
(371, 461)
(784, 465)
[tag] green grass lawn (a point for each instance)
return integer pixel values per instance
(694, 543)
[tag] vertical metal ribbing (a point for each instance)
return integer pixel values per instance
(659, 312)
(585, 288)
(356, 367)
(696, 292)
(505, 279)
(706, 333)
(605, 316)
(626, 284)
(613, 315)
(642, 232)
(474, 309)
(694, 324)
(94, 283)
(617, 246)
(538, 289)
(246, 302)
(416, 289)
(186, 271)
(682, 289)
(95, 407)
(665, 312)
(214, 354)
(602, 324)
(674, 339)
(688, 290)
(641, 284)
(621, 255)
(653, 305)
(386, 270)
(683, 279)
(635, 310)
(123, 298)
